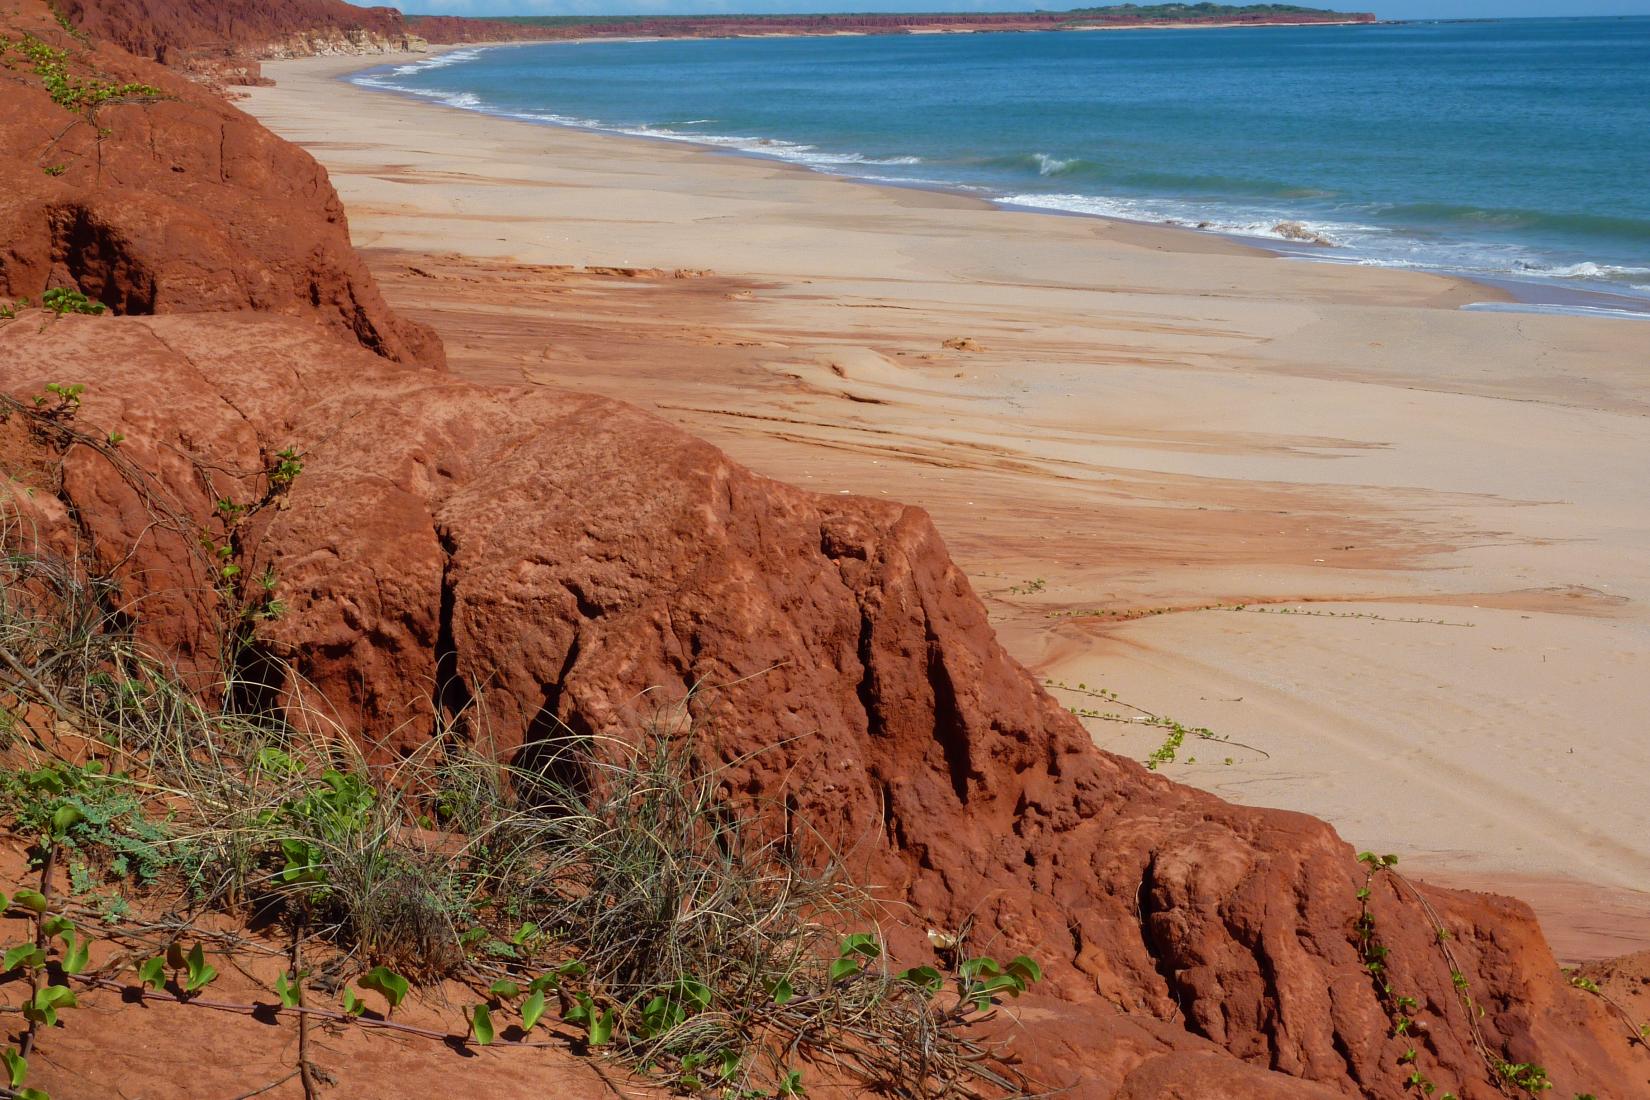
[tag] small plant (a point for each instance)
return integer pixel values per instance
(54, 954)
(64, 22)
(285, 470)
(189, 969)
(61, 300)
(82, 809)
(55, 169)
(83, 96)
(60, 402)
(1524, 1075)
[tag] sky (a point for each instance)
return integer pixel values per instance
(1386, 9)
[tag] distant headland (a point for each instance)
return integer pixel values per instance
(450, 29)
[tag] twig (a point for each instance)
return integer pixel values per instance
(306, 1073)
(243, 1009)
(266, 1088)
(46, 865)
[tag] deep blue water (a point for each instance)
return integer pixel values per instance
(1516, 148)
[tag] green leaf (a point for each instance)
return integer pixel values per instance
(66, 817)
(661, 1015)
(860, 943)
(781, 991)
(925, 978)
(979, 968)
(289, 990)
(1026, 969)
(26, 955)
(580, 1012)
(76, 953)
(31, 1094)
(153, 972)
(1002, 983)
(573, 968)
(694, 994)
(199, 975)
(791, 1084)
(504, 988)
(43, 1008)
(843, 968)
(57, 926)
(32, 900)
(531, 1010)
(601, 1029)
(303, 862)
(481, 1024)
(526, 932)
(353, 1005)
(543, 983)
(383, 980)
(17, 1067)
(55, 996)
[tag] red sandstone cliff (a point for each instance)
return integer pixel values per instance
(566, 553)
(176, 32)
(231, 35)
(172, 202)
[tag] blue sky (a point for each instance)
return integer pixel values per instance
(1386, 9)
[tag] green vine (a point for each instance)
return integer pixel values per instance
(83, 96)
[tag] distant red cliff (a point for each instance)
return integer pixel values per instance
(451, 29)
(225, 41)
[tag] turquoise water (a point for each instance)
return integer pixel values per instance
(1516, 149)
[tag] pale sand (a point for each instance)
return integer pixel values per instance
(1145, 418)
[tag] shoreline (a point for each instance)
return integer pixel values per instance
(1113, 424)
(1503, 292)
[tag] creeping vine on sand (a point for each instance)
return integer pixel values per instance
(1177, 732)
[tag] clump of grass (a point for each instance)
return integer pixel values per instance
(712, 955)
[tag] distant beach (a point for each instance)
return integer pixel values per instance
(1392, 145)
(1415, 532)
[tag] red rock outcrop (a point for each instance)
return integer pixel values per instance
(184, 32)
(171, 202)
(571, 560)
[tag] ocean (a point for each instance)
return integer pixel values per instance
(1514, 150)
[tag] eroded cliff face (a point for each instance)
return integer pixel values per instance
(552, 561)
(200, 34)
(163, 198)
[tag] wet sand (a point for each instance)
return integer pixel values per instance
(1116, 425)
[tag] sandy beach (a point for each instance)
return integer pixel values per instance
(1434, 518)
